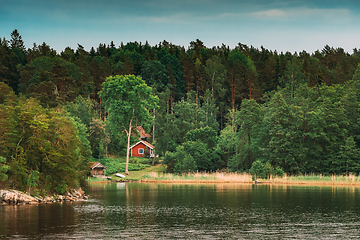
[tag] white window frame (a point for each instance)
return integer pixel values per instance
(142, 152)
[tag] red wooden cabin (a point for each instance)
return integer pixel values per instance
(142, 149)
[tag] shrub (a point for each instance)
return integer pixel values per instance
(278, 172)
(264, 170)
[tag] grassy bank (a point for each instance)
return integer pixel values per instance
(221, 177)
(145, 172)
(157, 174)
(313, 179)
(213, 177)
(138, 167)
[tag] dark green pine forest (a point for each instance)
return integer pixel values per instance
(218, 108)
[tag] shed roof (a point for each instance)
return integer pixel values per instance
(96, 165)
(142, 132)
(143, 142)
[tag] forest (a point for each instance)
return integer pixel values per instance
(237, 109)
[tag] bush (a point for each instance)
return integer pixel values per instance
(187, 164)
(61, 187)
(278, 172)
(264, 170)
(3, 169)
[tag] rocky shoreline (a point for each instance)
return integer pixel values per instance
(17, 197)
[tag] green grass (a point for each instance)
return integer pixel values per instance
(146, 172)
(93, 180)
(139, 175)
(117, 164)
(137, 168)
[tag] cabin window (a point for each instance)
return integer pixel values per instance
(141, 151)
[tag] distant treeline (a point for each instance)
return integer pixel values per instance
(232, 75)
(219, 107)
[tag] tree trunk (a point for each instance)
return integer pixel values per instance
(127, 150)
(153, 133)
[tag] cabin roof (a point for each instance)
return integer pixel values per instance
(143, 142)
(96, 165)
(142, 132)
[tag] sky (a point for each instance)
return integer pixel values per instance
(281, 25)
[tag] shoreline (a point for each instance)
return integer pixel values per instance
(221, 177)
(16, 197)
(265, 182)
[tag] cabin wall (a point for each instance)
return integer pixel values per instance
(97, 171)
(135, 150)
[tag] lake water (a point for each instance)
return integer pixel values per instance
(192, 211)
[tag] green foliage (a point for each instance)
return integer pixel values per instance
(303, 116)
(192, 156)
(3, 169)
(228, 144)
(155, 75)
(263, 170)
(60, 187)
(179, 161)
(33, 179)
(278, 172)
(42, 139)
(206, 135)
(50, 80)
(128, 100)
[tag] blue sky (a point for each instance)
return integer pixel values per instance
(281, 25)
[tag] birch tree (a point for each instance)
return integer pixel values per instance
(128, 100)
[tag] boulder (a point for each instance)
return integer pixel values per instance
(60, 198)
(75, 194)
(14, 196)
(68, 198)
(17, 197)
(81, 191)
(48, 199)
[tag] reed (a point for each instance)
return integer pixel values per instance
(318, 179)
(225, 177)
(210, 177)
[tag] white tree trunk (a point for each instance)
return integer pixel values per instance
(127, 150)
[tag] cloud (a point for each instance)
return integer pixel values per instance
(176, 18)
(294, 13)
(270, 13)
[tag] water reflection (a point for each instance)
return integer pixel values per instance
(166, 211)
(37, 220)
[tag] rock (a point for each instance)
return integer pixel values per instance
(75, 194)
(48, 199)
(81, 192)
(68, 198)
(15, 197)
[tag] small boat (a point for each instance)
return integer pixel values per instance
(120, 175)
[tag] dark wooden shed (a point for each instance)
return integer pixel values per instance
(97, 169)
